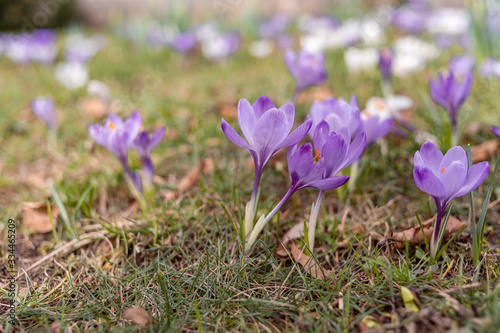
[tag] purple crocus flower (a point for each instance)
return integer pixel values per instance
(307, 69)
(118, 136)
(450, 94)
(375, 125)
(333, 152)
(320, 23)
(266, 130)
(44, 48)
(45, 109)
(445, 178)
(274, 26)
(184, 42)
(144, 144)
(385, 63)
(18, 47)
(411, 18)
(337, 113)
(461, 65)
(495, 130)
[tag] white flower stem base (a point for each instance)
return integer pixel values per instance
(316, 206)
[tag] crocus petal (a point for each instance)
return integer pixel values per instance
(321, 135)
(300, 161)
(270, 131)
(297, 135)
(330, 183)
(233, 136)
(475, 176)
(453, 178)
(463, 90)
(246, 120)
(453, 154)
(114, 119)
(428, 182)
(495, 130)
(99, 135)
(355, 149)
(289, 110)
(290, 58)
(133, 125)
(156, 137)
(430, 155)
(261, 105)
(333, 154)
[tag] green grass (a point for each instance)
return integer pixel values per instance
(181, 260)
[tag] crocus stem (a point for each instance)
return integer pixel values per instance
(130, 182)
(264, 219)
(454, 136)
(354, 175)
(294, 95)
(437, 227)
(313, 218)
(52, 139)
(149, 171)
(250, 209)
(386, 88)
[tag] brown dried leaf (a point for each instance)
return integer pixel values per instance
(228, 111)
(414, 234)
(138, 315)
(485, 150)
(94, 107)
(205, 166)
(309, 264)
(295, 232)
(316, 93)
(55, 327)
(36, 217)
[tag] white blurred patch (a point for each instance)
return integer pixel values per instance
(411, 55)
(372, 33)
(71, 75)
(357, 59)
(261, 48)
(449, 21)
(99, 89)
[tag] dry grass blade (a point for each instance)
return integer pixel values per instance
(310, 265)
(415, 236)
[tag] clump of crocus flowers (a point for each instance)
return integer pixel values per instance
(119, 136)
(444, 178)
(266, 131)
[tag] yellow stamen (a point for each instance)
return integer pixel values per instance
(112, 126)
(442, 170)
(317, 156)
(142, 127)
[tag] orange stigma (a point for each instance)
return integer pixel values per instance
(317, 156)
(142, 127)
(368, 114)
(442, 170)
(112, 126)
